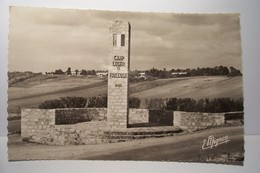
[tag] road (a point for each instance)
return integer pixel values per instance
(177, 148)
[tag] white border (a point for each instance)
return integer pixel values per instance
(250, 32)
(251, 164)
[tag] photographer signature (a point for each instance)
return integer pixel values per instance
(211, 142)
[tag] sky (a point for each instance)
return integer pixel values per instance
(44, 39)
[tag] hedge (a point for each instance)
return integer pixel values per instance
(176, 104)
(82, 102)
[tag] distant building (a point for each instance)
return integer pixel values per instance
(142, 74)
(102, 74)
(179, 73)
(49, 73)
(28, 72)
(75, 73)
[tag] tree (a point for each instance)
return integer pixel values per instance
(59, 71)
(225, 71)
(83, 72)
(93, 72)
(68, 72)
(76, 71)
(234, 72)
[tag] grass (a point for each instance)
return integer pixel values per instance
(196, 87)
(30, 93)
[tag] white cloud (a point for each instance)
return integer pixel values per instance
(44, 39)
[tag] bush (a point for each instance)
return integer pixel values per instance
(187, 104)
(155, 104)
(134, 102)
(51, 104)
(172, 104)
(176, 104)
(73, 102)
(98, 102)
(205, 105)
(64, 102)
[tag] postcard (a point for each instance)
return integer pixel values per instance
(114, 85)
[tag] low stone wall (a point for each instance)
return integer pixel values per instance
(50, 126)
(33, 121)
(138, 116)
(197, 120)
(74, 134)
(40, 123)
(36, 121)
(76, 115)
(234, 118)
(161, 117)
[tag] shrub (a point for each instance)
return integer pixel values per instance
(176, 104)
(64, 102)
(134, 102)
(51, 104)
(172, 104)
(73, 102)
(205, 105)
(186, 104)
(98, 102)
(238, 105)
(155, 104)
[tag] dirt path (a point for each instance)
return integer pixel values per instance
(176, 148)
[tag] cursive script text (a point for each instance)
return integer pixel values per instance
(211, 142)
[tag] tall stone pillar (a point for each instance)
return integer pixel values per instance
(119, 65)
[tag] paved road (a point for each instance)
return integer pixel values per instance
(177, 148)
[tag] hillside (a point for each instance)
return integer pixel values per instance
(197, 87)
(34, 92)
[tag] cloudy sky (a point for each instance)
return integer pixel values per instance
(43, 39)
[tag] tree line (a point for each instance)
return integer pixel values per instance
(208, 71)
(69, 72)
(157, 73)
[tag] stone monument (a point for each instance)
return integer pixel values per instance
(119, 65)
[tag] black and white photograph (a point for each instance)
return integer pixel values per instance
(125, 86)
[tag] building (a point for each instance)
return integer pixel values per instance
(179, 73)
(142, 74)
(102, 74)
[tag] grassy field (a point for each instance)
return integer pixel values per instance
(196, 87)
(30, 93)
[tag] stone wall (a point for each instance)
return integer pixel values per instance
(76, 115)
(234, 118)
(36, 121)
(77, 134)
(161, 117)
(197, 120)
(49, 126)
(138, 116)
